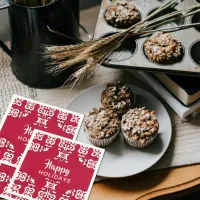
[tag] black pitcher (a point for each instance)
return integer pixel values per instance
(30, 30)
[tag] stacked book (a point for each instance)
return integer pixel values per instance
(182, 93)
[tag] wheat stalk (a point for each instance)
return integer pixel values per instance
(93, 53)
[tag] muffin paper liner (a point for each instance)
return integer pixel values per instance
(103, 142)
(137, 144)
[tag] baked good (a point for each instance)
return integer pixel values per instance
(102, 126)
(163, 48)
(139, 127)
(122, 15)
(118, 97)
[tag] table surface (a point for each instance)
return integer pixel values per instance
(146, 185)
(143, 186)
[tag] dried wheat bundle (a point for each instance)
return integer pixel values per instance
(33, 3)
(89, 55)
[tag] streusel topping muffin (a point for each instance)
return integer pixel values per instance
(118, 97)
(122, 15)
(102, 126)
(139, 126)
(163, 48)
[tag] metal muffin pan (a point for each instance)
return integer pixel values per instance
(190, 39)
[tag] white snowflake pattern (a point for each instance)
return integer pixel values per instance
(41, 122)
(39, 136)
(15, 188)
(51, 185)
(45, 196)
(2, 142)
(83, 150)
(44, 115)
(67, 145)
(96, 153)
(30, 105)
(62, 156)
(77, 194)
(18, 101)
(68, 194)
(51, 140)
(82, 160)
(91, 164)
(7, 157)
(21, 176)
(9, 153)
(88, 163)
(80, 194)
(5, 143)
(5, 194)
(34, 147)
(48, 192)
(28, 191)
(14, 112)
(65, 148)
(46, 111)
(63, 115)
(2, 176)
(75, 118)
(70, 129)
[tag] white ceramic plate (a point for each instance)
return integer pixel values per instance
(121, 160)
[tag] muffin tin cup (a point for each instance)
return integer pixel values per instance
(175, 23)
(194, 52)
(122, 53)
(170, 62)
(137, 144)
(138, 59)
(103, 142)
(196, 19)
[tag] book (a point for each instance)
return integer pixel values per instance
(184, 88)
(182, 110)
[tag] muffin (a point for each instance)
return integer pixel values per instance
(163, 48)
(139, 127)
(118, 97)
(122, 15)
(102, 126)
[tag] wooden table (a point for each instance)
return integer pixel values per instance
(176, 182)
(150, 185)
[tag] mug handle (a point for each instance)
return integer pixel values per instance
(3, 5)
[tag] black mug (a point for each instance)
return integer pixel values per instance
(30, 29)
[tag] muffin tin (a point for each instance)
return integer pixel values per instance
(131, 54)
